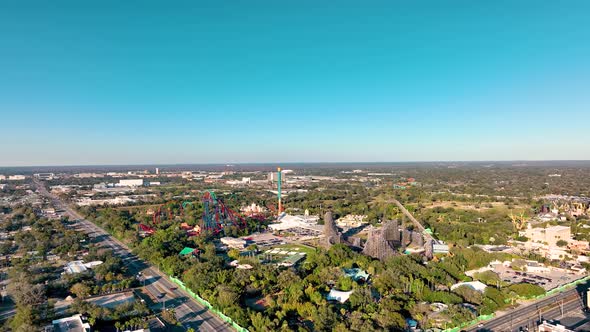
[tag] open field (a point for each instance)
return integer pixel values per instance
(478, 207)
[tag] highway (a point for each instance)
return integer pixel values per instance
(189, 312)
(527, 316)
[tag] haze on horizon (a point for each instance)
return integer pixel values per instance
(142, 82)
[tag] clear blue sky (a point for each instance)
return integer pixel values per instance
(120, 82)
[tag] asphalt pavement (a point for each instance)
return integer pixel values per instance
(188, 311)
(527, 317)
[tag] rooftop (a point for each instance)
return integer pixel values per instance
(356, 274)
(71, 324)
(475, 285)
(336, 295)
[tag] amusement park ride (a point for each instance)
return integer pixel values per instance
(216, 215)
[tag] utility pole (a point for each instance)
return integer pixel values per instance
(561, 307)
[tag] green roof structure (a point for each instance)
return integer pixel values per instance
(187, 251)
(356, 274)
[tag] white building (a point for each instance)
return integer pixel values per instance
(536, 267)
(549, 236)
(71, 324)
(289, 221)
(440, 248)
(336, 295)
(2, 177)
(551, 327)
(88, 175)
(239, 182)
(86, 201)
(233, 242)
(475, 285)
(16, 177)
(131, 183)
(80, 266)
(44, 176)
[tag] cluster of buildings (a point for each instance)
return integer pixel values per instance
(293, 223)
(252, 209)
(554, 242)
(404, 183)
(351, 221)
(126, 183)
(16, 177)
(119, 200)
(561, 207)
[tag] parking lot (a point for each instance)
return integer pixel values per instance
(292, 235)
(264, 239)
(302, 234)
(548, 280)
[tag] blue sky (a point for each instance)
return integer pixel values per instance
(125, 82)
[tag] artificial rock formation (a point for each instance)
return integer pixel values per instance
(381, 242)
(330, 231)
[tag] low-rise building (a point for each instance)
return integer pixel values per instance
(475, 285)
(536, 267)
(351, 220)
(44, 176)
(188, 251)
(340, 296)
(233, 242)
(86, 201)
(16, 177)
(80, 266)
(440, 248)
(356, 274)
(552, 327)
(292, 260)
(71, 324)
(289, 221)
(549, 236)
(131, 183)
(576, 245)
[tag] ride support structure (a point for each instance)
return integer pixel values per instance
(217, 216)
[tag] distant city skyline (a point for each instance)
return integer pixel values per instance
(119, 83)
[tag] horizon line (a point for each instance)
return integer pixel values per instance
(299, 162)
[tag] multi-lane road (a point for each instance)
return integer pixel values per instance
(526, 317)
(189, 312)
